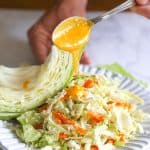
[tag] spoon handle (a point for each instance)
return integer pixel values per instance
(127, 4)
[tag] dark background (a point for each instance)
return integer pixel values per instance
(93, 5)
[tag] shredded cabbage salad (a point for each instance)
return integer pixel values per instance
(92, 113)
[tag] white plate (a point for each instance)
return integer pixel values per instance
(9, 141)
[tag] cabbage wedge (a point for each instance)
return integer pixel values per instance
(25, 88)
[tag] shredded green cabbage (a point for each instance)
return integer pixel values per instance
(91, 111)
(117, 68)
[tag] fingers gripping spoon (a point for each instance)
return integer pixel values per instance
(124, 6)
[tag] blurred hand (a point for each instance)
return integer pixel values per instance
(142, 8)
(41, 32)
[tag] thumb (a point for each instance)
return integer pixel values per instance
(85, 59)
(142, 2)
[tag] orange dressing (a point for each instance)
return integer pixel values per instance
(95, 117)
(62, 135)
(74, 92)
(25, 84)
(94, 147)
(72, 35)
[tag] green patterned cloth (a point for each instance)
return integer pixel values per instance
(117, 68)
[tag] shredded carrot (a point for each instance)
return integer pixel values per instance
(110, 102)
(80, 130)
(112, 141)
(38, 126)
(64, 97)
(94, 147)
(95, 117)
(58, 121)
(88, 83)
(62, 118)
(62, 135)
(25, 84)
(118, 104)
(122, 137)
(42, 108)
(127, 105)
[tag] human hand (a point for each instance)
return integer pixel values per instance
(142, 8)
(41, 32)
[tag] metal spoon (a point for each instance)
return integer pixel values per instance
(127, 4)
